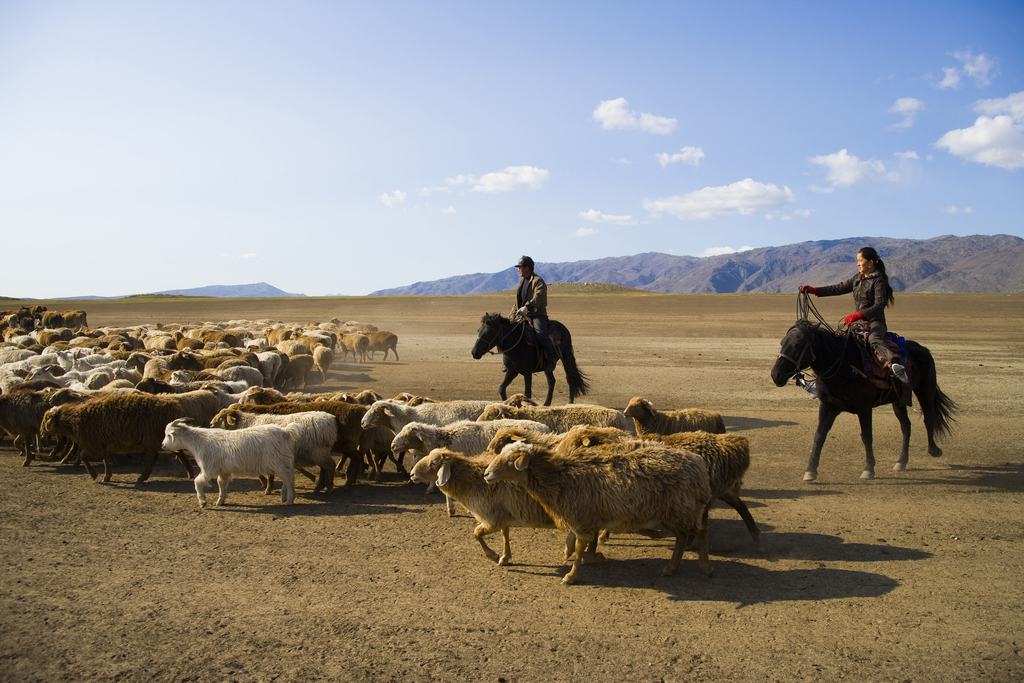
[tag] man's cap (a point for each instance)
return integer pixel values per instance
(525, 261)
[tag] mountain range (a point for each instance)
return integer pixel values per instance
(975, 263)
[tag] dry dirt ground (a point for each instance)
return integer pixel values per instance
(915, 576)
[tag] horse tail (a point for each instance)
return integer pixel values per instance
(938, 408)
(579, 385)
(943, 412)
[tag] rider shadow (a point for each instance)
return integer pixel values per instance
(737, 423)
(1005, 478)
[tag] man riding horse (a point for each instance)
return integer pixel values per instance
(532, 305)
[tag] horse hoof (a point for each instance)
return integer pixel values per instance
(900, 466)
(867, 474)
(936, 453)
(810, 476)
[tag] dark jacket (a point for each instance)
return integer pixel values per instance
(535, 298)
(869, 293)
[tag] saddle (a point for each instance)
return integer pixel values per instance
(873, 366)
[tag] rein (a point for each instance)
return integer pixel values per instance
(806, 308)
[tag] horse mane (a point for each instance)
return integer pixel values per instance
(829, 342)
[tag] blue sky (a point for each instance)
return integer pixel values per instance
(341, 148)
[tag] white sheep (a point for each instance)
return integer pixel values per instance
(560, 418)
(264, 449)
(312, 447)
(466, 436)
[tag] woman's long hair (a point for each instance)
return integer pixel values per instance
(870, 254)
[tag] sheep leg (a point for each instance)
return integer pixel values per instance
(108, 473)
(741, 507)
(183, 459)
(201, 481)
(307, 474)
(527, 384)
(222, 488)
(901, 414)
(583, 539)
(84, 458)
(450, 503)
(287, 487)
(268, 483)
(24, 445)
(484, 530)
(148, 469)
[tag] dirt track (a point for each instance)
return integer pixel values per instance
(914, 576)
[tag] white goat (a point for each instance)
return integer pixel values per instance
(264, 449)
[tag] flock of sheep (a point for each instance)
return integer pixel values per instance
(213, 394)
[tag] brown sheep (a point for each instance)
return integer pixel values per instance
(608, 487)
(323, 358)
(383, 341)
(118, 423)
(496, 506)
(727, 456)
(357, 343)
(560, 418)
(21, 412)
(651, 421)
(297, 371)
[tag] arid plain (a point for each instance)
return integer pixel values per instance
(914, 576)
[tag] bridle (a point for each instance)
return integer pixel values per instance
(500, 338)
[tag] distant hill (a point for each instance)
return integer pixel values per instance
(255, 290)
(977, 263)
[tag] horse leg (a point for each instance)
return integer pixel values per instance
(509, 376)
(826, 418)
(528, 384)
(869, 452)
(551, 386)
(901, 414)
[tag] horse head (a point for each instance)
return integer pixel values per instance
(796, 352)
(489, 334)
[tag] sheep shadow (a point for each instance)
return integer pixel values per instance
(734, 423)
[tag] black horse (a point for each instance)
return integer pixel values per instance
(842, 387)
(522, 355)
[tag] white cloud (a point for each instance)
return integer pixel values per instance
(689, 155)
(955, 209)
(951, 79)
(449, 210)
(903, 156)
(623, 161)
(996, 138)
(718, 251)
(821, 190)
(744, 197)
(804, 213)
(586, 232)
(598, 217)
(426, 191)
(511, 179)
(975, 66)
(844, 169)
(613, 114)
(394, 199)
(908, 107)
(242, 256)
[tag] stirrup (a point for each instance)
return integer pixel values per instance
(900, 372)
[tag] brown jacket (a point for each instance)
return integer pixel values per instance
(535, 297)
(869, 293)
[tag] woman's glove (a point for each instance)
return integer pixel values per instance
(853, 317)
(807, 289)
